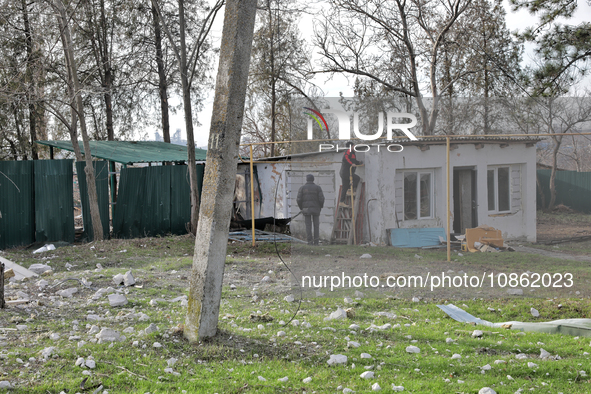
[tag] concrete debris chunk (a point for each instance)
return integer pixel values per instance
(40, 268)
(67, 293)
(128, 279)
(337, 359)
(108, 335)
(118, 279)
(339, 314)
(117, 300)
(151, 328)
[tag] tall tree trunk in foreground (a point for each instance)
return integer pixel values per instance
(97, 227)
(220, 171)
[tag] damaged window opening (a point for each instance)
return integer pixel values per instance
(418, 195)
(499, 189)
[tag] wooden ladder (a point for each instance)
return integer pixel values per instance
(342, 228)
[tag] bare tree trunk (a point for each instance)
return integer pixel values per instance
(97, 227)
(557, 142)
(541, 191)
(220, 171)
(162, 83)
(188, 121)
(31, 82)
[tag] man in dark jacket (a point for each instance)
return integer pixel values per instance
(310, 201)
(347, 167)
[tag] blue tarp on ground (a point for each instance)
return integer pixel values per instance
(416, 237)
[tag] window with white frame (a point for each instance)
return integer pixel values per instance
(498, 181)
(418, 195)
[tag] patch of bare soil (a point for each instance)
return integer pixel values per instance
(561, 226)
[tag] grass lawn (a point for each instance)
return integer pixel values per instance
(251, 355)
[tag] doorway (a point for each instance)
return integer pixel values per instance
(465, 201)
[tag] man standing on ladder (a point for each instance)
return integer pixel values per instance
(347, 170)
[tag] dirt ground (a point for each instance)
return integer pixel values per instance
(560, 225)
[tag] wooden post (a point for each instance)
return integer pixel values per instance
(252, 196)
(2, 303)
(352, 206)
(447, 215)
(211, 241)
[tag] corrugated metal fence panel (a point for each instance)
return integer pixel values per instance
(101, 173)
(156, 197)
(153, 200)
(128, 210)
(572, 189)
(17, 222)
(180, 200)
(54, 200)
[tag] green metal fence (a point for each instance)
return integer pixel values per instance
(101, 173)
(153, 201)
(54, 200)
(573, 189)
(17, 219)
(36, 202)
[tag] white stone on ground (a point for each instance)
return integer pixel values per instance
(365, 256)
(281, 333)
(354, 327)
(171, 361)
(412, 349)
(79, 362)
(544, 354)
(449, 340)
(337, 359)
(157, 344)
(5, 384)
(521, 356)
(397, 388)
(307, 380)
(338, 314)
(117, 300)
(118, 279)
(151, 328)
(128, 279)
(288, 298)
(353, 344)
(67, 293)
(532, 365)
(534, 312)
(477, 334)
(456, 356)
(262, 379)
(486, 390)
(375, 387)
(365, 355)
(367, 375)
(283, 379)
(486, 367)
(108, 335)
(90, 364)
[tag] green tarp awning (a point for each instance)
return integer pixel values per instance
(128, 152)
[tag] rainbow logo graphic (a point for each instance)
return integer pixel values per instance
(317, 116)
